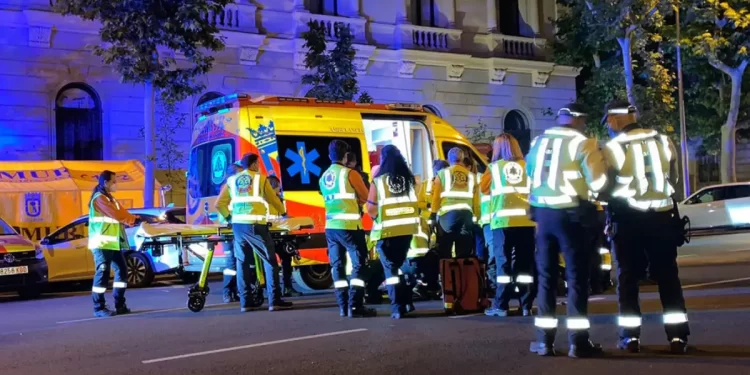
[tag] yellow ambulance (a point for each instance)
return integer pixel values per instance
(291, 136)
(22, 264)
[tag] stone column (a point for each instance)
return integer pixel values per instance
(532, 13)
(492, 16)
(445, 13)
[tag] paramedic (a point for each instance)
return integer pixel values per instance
(286, 257)
(230, 272)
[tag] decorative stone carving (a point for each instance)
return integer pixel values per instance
(406, 69)
(248, 56)
(497, 75)
(455, 72)
(539, 78)
(40, 36)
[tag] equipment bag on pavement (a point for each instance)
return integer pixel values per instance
(463, 282)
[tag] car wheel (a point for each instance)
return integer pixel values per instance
(29, 292)
(140, 274)
(315, 277)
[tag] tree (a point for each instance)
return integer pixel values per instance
(364, 97)
(332, 76)
(133, 33)
(170, 123)
(719, 31)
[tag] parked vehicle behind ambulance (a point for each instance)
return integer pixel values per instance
(291, 135)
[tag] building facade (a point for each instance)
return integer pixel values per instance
(473, 62)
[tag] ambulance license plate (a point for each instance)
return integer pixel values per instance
(14, 271)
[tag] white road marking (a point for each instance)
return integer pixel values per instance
(464, 316)
(687, 255)
(596, 298)
(133, 314)
(260, 344)
(716, 283)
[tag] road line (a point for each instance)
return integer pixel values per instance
(716, 283)
(133, 314)
(687, 255)
(464, 316)
(260, 344)
(596, 298)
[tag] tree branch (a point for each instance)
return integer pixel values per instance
(743, 66)
(716, 63)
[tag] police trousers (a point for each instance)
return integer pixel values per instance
(249, 238)
(349, 293)
(595, 244)
(103, 260)
(392, 251)
(514, 250)
(642, 242)
(456, 228)
(560, 230)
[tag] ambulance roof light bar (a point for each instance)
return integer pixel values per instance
(405, 107)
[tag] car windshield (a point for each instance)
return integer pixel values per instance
(6, 229)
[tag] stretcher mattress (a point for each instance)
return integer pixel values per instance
(160, 230)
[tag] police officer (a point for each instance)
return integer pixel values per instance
(512, 231)
(455, 199)
(250, 195)
(344, 193)
(392, 203)
(107, 239)
(230, 271)
(642, 215)
(563, 166)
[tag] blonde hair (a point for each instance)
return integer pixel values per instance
(506, 147)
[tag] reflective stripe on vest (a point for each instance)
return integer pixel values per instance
(248, 206)
(342, 208)
(642, 159)
(509, 194)
(397, 215)
(420, 242)
(105, 233)
(451, 199)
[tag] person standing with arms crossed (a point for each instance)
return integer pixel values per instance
(250, 194)
(344, 193)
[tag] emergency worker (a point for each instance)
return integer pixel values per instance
(107, 240)
(250, 195)
(480, 246)
(642, 216)
(344, 193)
(455, 199)
(563, 166)
(286, 258)
(392, 203)
(598, 249)
(507, 184)
(230, 271)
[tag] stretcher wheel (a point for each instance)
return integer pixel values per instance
(195, 303)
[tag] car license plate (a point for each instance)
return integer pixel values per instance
(14, 270)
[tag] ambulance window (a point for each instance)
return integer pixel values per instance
(209, 166)
(304, 159)
(407, 133)
(447, 146)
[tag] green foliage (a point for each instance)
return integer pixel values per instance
(365, 97)
(479, 133)
(332, 76)
(133, 32)
(170, 153)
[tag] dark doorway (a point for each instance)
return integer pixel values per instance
(78, 123)
(516, 125)
(509, 18)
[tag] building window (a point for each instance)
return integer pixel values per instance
(329, 7)
(423, 13)
(78, 123)
(516, 125)
(509, 17)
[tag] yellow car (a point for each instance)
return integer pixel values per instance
(22, 264)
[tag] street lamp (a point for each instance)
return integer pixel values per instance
(683, 131)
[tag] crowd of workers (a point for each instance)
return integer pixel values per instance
(518, 217)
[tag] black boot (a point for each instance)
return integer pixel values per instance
(631, 344)
(542, 349)
(362, 312)
(585, 350)
(678, 346)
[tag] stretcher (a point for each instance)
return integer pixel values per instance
(202, 240)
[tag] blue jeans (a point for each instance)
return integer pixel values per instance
(249, 238)
(349, 293)
(514, 256)
(103, 260)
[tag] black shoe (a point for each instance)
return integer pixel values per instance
(343, 311)
(588, 349)
(396, 315)
(104, 313)
(631, 344)
(542, 349)
(410, 308)
(678, 346)
(526, 312)
(122, 310)
(280, 305)
(289, 292)
(362, 312)
(228, 298)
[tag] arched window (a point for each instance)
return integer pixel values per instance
(78, 123)
(431, 109)
(209, 96)
(516, 125)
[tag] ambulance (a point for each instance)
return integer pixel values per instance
(291, 136)
(22, 264)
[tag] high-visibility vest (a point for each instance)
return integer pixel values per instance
(248, 204)
(105, 233)
(425, 198)
(642, 159)
(458, 189)
(509, 194)
(397, 208)
(342, 209)
(485, 215)
(556, 173)
(420, 241)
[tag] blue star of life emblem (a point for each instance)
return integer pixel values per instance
(303, 162)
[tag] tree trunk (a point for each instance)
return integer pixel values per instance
(149, 136)
(728, 131)
(627, 65)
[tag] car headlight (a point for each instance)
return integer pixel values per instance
(163, 216)
(38, 253)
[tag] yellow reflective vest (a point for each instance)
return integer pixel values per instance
(509, 192)
(105, 233)
(398, 214)
(248, 205)
(342, 209)
(458, 189)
